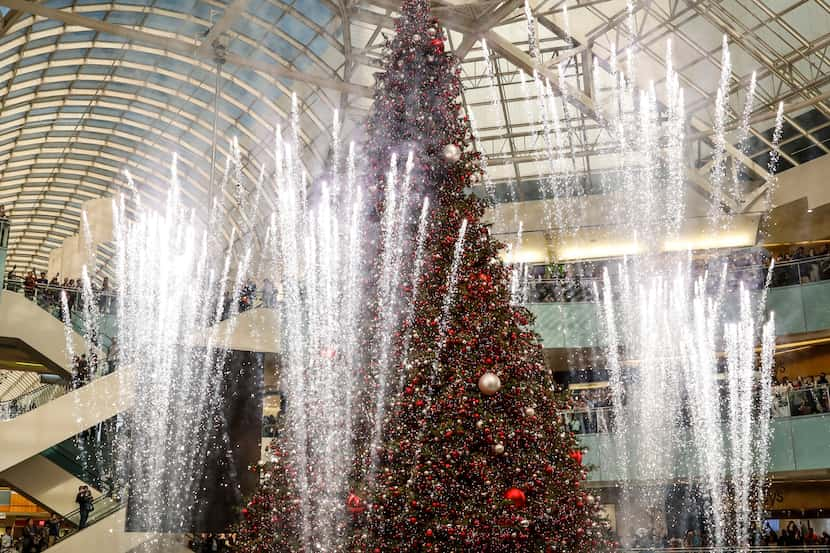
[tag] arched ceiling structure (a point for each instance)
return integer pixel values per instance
(88, 88)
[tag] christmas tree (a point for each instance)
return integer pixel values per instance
(475, 456)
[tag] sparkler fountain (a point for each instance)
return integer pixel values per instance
(666, 327)
(670, 330)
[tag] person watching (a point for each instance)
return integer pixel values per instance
(6, 541)
(84, 501)
(53, 526)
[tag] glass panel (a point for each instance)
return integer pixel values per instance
(816, 305)
(787, 304)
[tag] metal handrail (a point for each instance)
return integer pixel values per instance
(114, 503)
(19, 283)
(779, 267)
(30, 400)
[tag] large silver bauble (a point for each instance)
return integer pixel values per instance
(452, 153)
(489, 383)
(498, 449)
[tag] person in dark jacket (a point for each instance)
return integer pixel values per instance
(84, 501)
(54, 527)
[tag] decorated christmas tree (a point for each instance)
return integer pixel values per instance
(473, 455)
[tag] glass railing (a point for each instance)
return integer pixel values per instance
(102, 507)
(89, 456)
(48, 297)
(794, 402)
(30, 400)
(789, 273)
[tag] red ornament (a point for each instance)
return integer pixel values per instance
(516, 496)
(438, 44)
(576, 455)
(355, 504)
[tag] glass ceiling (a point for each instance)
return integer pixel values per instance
(89, 88)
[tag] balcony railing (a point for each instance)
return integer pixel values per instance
(790, 273)
(795, 402)
(48, 297)
(30, 400)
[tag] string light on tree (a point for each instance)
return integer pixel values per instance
(473, 456)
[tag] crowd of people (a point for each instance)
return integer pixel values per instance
(805, 395)
(47, 291)
(575, 281)
(269, 426)
(34, 538)
(37, 536)
(794, 535)
(210, 543)
(590, 409)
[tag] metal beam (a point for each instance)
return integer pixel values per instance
(768, 112)
(466, 45)
(522, 60)
(498, 15)
(231, 14)
(451, 20)
(184, 47)
(10, 19)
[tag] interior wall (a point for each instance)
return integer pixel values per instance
(807, 362)
(808, 181)
(792, 222)
(796, 496)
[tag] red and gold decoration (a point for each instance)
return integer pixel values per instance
(474, 457)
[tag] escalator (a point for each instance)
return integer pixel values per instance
(62, 418)
(52, 479)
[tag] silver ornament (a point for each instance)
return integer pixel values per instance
(480, 424)
(452, 153)
(498, 449)
(530, 412)
(416, 38)
(524, 523)
(489, 383)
